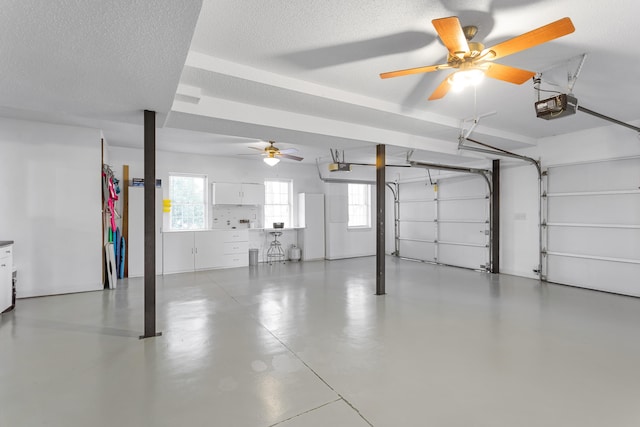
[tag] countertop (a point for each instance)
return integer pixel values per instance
(234, 229)
(276, 229)
(206, 229)
(4, 243)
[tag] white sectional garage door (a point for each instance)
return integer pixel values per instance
(593, 226)
(447, 224)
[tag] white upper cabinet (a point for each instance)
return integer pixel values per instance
(252, 194)
(227, 193)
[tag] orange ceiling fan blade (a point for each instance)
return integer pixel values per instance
(417, 70)
(546, 33)
(452, 35)
(442, 89)
(508, 74)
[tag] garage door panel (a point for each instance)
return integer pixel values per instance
(417, 230)
(604, 242)
(594, 176)
(417, 211)
(416, 190)
(463, 233)
(462, 256)
(595, 209)
(475, 209)
(417, 250)
(596, 274)
(462, 187)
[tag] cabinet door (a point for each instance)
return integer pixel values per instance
(178, 252)
(6, 265)
(252, 194)
(208, 249)
(225, 193)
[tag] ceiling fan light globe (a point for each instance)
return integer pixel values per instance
(461, 79)
(271, 161)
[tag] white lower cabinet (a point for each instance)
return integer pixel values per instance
(203, 250)
(177, 252)
(207, 249)
(235, 248)
(6, 270)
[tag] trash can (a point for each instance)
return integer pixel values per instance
(253, 257)
(294, 253)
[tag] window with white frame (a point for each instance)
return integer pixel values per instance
(359, 196)
(277, 203)
(188, 202)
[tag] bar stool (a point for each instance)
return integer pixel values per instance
(275, 252)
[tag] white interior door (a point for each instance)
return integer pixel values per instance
(593, 226)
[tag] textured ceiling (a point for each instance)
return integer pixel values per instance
(105, 60)
(304, 72)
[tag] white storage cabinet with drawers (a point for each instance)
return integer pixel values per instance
(203, 250)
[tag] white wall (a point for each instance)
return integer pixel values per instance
(50, 205)
(340, 241)
(221, 169)
(607, 142)
(519, 219)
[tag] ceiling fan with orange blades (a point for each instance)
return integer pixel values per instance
(273, 154)
(473, 61)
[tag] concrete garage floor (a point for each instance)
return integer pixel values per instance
(309, 344)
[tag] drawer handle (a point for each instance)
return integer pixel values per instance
(3, 265)
(7, 252)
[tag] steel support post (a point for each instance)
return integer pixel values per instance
(380, 219)
(149, 225)
(495, 218)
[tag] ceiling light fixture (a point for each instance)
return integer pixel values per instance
(461, 79)
(271, 161)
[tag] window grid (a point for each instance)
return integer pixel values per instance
(359, 196)
(277, 203)
(188, 202)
